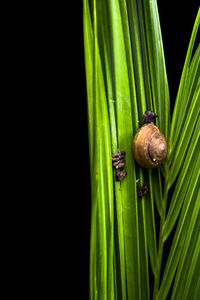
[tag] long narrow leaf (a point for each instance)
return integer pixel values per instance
(157, 188)
(157, 65)
(130, 69)
(88, 47)
(119, 262)
(137, 56)
(183, 181)
(196, 291)
(186, 134)
(151, 227)
(179, 104)
(101, 272)
(181, 231)
(195, 262)
(187, 253)
(125, 133)
(126, 75)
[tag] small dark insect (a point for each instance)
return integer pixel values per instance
(143, 190)
(149, 117)
(118, 160)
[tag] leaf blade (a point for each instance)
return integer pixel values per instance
(185, 221)
(159, 82)
(187, 253)
(183, 182)
(125, 133)
(186, 134)
(179, 104)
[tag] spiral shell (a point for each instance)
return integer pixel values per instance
(149, 146)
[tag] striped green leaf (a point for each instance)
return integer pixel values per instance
(101, 271)
(126, 75)
(181, 96)
(186, 134)
(183, 181)
(184, 267)
(159, 84)
(187, 217)
(125, 133)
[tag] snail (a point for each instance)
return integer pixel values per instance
(149, 144)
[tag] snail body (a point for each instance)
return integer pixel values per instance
(149, 145)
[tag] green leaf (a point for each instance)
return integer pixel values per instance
(102, 226)
(188, 92)
(150, 225)
(159, 83)
(184, 267)
(183, 181)
(130, 66)
(125, 75)
(187, 217)
(145, 292)
(156, 186)
(125, 133)
(186, 134)
(137, 56)
(196, 290)
(180, 100)
(88, 47)
(194, 266)
(105, 40)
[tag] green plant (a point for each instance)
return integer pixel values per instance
(126, 75)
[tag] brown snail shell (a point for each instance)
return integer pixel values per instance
(149, 146)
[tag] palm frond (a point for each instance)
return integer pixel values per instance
(125, 76)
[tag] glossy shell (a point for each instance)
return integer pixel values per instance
(149, 146)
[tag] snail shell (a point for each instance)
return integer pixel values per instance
(149, 146)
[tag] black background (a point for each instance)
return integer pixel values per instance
(176, 25)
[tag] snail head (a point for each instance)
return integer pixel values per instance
(149, 117)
